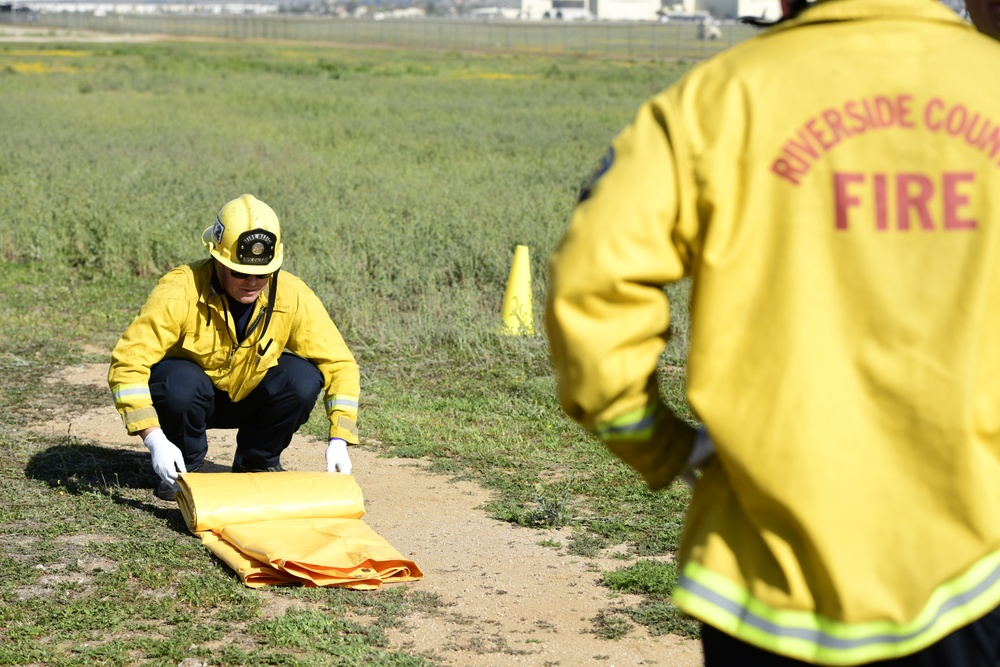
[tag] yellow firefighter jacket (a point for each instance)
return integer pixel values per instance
(184, 317)
(832, 186)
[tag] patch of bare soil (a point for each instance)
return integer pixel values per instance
(29, 33)
(508, 600)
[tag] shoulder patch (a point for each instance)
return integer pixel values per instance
(602, 168)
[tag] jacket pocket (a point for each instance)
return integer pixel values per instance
(206, 349)
(267, 354)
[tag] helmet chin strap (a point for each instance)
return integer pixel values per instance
(272, 292)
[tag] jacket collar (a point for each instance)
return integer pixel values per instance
(824, 11)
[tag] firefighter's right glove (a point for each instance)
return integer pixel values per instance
(703, 451)
(337, 459)
(168, 462)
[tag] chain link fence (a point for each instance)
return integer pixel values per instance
(610, 39)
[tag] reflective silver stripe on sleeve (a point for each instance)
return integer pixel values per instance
(342, 402)
(124, 391)
(348, 404)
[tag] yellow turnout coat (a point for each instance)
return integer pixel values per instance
(184, 318)
(832, 186)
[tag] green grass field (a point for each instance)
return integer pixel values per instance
(403, 181)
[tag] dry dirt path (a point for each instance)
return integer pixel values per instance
(508, 600)
(38, 33)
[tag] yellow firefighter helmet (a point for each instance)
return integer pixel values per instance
(246, 237)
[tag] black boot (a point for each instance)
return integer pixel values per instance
(239, 467)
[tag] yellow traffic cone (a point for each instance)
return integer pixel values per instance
(516, 311)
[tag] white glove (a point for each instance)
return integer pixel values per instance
(703, 450)
(337, 459)
(168, 462)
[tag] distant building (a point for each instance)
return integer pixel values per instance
(489, 13)
(589, 10)
(647, 10)
(769, 10)
(626, 10)
(569, 10)
(680, 6)
(110, 8)
(401, 13)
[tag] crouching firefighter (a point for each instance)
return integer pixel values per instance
(223, 343)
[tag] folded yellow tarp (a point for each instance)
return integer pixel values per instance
(300, 528)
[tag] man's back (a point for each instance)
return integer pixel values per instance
(832, 196)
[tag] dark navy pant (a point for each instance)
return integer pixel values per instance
(188, 405)
(975, 645)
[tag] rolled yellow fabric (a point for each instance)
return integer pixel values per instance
(299, 528)
(212, 500)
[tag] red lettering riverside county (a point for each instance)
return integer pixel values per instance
(825, 130)
(902, 201)
(958, 121)
(819, 134)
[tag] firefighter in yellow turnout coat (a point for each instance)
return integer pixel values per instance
(227, 342)
(832, 187)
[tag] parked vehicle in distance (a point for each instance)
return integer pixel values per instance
(569, 10)
(708, 26)
(709, 29)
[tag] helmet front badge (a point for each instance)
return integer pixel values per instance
(256, 247)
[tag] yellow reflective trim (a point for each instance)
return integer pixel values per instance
(814, 638)
(343, 403)
(639, 424)
(121, 391)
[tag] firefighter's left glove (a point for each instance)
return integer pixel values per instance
(702, 453)
(168, 461)
(337, 459)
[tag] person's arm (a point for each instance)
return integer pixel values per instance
(606, 313)
(147, 339)
(154, 331)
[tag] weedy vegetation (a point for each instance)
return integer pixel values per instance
(404, 182)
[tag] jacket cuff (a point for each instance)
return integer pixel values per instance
(139, 420)
(662, 457)
(344, 427)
